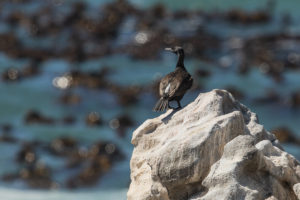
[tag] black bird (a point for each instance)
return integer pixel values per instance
(175, 84)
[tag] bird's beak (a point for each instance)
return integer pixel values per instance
(169, 49)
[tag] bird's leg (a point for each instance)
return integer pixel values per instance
(179, 105)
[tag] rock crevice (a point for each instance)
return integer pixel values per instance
(214, 148)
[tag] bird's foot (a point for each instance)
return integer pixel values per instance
(170, 107)
(179, 105)
(177, 108)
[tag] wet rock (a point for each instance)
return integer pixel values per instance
(93, 119)
(285, 135)
(33, 172)
(75, 50)
(112, 16)
(38, 176)
(14, 18)
(63, 146)
(181, 14)
(202, 73)
(70, 99)
(97, 162)
(90, 175)
(14, 74)
(248, 18)
(34, 54)
(107, 149)
(158, 11)
(9, 43)
(27, 154)
(7, 137)
(78, 158)
(69, 120)
(11, 74)
(121, 124)
(30, 70)
(94, 79)
(9, 177)
(295, 99)
(271, 96)
(148, 41)
(76, 13)
(126, 95)
(236, 93)
(200, 44)
(35, 117)
(271, 54)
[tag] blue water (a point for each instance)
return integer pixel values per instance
(13, 194)
(39, 93)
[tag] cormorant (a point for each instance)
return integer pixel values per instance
(175, 84)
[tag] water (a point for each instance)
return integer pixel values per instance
(12, 194)
(38, 93)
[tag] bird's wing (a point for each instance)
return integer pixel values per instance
(184, 87)
(165, 84)
(170, 84)
(174, 85)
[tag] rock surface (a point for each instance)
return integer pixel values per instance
(214, 148)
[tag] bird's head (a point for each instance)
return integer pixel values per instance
(177, 50)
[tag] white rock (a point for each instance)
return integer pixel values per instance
(297, 190)
(213, 148)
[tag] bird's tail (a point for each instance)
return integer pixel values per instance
(161, 105)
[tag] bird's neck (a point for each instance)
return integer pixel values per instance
(180, 61)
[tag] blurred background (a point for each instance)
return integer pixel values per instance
(77, 77)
